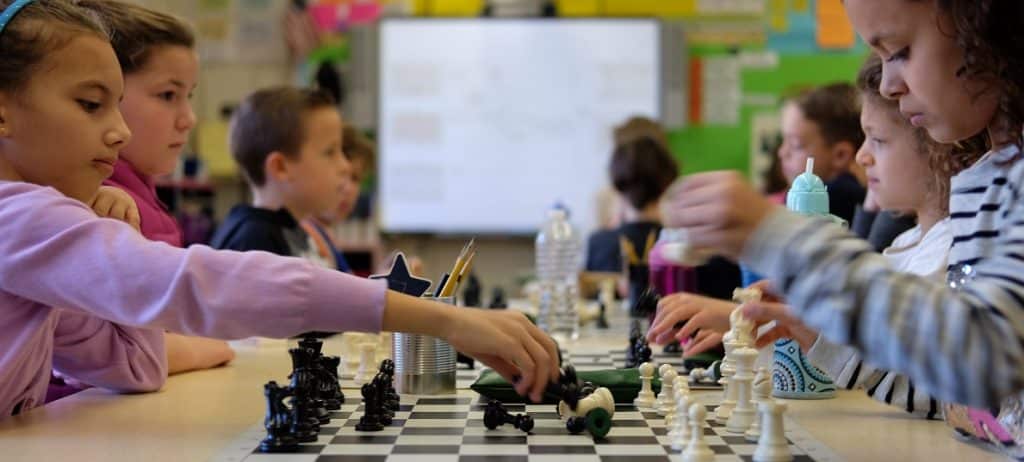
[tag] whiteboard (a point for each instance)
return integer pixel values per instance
(487, 123)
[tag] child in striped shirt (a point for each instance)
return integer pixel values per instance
(957, 69)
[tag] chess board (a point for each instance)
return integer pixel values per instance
(585, 360)
(451, 429)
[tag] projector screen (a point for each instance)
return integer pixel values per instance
(485, 124)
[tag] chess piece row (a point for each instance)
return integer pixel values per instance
(314, 390)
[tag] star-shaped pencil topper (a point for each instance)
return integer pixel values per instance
(400, 280)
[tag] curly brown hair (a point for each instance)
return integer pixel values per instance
(944, 160)
(989, 32)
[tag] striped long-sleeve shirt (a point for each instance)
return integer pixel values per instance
(914, 252)
(964, 346)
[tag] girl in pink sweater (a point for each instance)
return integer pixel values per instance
(72, 283)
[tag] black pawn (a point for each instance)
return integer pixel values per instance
(277, 421)
(392, 397)
(370, 421)
(495, 415)
(387, 415)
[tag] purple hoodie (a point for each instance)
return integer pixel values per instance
(66, 277)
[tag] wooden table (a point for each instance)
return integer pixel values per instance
(198, 414)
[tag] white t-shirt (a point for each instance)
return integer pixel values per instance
(924, 255)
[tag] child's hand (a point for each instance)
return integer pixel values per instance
(787, 326)
(510, 344)
(111, 202)
(681, 315)
(704, 341)
(719, 210)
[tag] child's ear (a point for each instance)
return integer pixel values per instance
(843, 155)
(276, 166)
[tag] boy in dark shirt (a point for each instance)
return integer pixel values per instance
(287, 142)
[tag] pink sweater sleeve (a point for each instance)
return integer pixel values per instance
(108, 355)
(57, 253)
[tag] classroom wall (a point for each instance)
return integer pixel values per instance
(784, 45)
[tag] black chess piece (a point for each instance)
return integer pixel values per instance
(645, 305)
(672, 348)
(393, 400)
(602, 319)
(576, 424)
(635, 335)
(498, 299)
(316, 386)
(305, 423)
(384, 410)
(330, 389)
(567, 389)
(587, 389)
(277, 421)
(463, 359)
(495, 415)
(370, 421)
(471, 294)
(643, 351)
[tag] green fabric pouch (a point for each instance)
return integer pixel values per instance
(623, 383)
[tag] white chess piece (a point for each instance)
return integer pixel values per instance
(367, 355)
(741, 327)
(699, 374)
(645, 399)
(671, 401)
(600, 398)
(683, 382)
(772, 446)
(662, 370)
(743, 414)
(762, 393)
(698, 449)
(728, 368)
(680, 434)
(666, 399)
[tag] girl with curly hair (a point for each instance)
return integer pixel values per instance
(956, 68)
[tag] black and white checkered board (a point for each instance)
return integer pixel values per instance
(585, 360)
(452, 430)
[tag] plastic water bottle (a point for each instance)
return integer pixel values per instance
(794, 377)
(558, 254)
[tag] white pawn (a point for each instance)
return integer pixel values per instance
(762, 393)
(645, 399)
(367, 357)
(743, 414)
(698, 449)
(772, 446)
(680, 434)
(682, 382)
(666, 399)
(662, 370)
